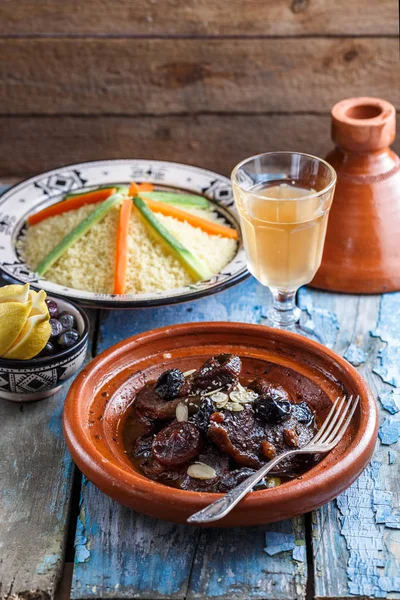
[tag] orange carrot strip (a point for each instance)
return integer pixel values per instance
(121, 260)
(135, 188)
(71, 204)
(146, 187)
(208, 226)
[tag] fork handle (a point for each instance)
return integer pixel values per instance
(222, 506)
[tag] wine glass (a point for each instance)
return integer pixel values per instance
(283, 199)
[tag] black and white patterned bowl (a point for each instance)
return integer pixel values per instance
(38, 378)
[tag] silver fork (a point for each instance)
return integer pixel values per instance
(329, 435)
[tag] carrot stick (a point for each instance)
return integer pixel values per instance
(146, 187)
(209, 227)
(135, 188)
(122, 247)
(71, 203)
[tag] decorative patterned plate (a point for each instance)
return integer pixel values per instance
(46, 189)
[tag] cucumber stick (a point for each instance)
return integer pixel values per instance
(188, 200)
(79, 231)
(193, 265)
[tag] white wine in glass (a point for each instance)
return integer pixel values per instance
(283, 199)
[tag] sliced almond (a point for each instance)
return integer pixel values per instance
(187, 373)
(236, 407)
(182, 412)
(200, 470)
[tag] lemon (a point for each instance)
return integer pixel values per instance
(14, 293)
(13, 316)
(39, 306)
(32, 339)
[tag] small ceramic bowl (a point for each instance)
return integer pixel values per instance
(38, 378)
(97, 403)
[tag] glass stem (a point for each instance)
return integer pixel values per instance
(283, 313)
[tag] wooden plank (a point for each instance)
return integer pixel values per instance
(164, 76)
(198, 17)
(232, 565)
(121, 554)
(210, 141)
(355, 553)
(36, 476)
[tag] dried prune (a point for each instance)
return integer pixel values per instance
(272, 411)
(202, 417)
(169, 384)
(232, 479)
(218, 371)
(143, 446)
(176, 444)
(303, 413)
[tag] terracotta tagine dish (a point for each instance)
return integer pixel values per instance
(362, 249)
(114, 395)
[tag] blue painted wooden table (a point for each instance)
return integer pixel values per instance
(50, 515)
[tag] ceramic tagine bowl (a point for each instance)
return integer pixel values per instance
(362, 250)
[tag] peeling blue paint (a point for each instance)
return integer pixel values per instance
(355, 355)
(322, 322)
(82, 554)
(389, 431)
(48, 563)
(390, 401)
(299, 553)
(365, 509)
(388, 327)
(247, 303)
(391, 457)
(388, 364)
(278, 542)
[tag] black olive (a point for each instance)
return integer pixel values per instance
(52, 308)
(272, 411)
(56, 328)
(48, 350)
(169, 384)
(67, 321)
(68, 338)
(303, 413)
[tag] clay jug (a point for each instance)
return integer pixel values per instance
(362, 247)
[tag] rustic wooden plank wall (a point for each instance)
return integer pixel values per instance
(201, 81)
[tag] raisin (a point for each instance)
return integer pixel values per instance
(291, 438)
(177, 443)
(268, 450)
(217, 417)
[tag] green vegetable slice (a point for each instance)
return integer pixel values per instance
(193, 265)
(79, 231)
(189, 200)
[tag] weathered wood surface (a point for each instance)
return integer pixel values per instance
(164, 76)
(121, 554)
(216, 142)
(213, 142)
(194, 17)
(356, 544)
(36, 474)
